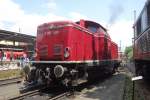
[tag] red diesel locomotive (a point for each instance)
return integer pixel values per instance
(72, 53)
(142, 42)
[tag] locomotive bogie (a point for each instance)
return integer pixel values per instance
(70, 73)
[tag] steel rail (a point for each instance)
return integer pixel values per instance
(60, 96)
(28, 94)
(37, 92)
(10, 81)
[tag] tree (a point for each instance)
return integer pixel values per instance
(129, 52)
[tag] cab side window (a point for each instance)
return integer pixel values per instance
(148, 14)
(93, 29)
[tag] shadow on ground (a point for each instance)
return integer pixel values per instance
(110, 89)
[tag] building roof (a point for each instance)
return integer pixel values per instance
(14, 36)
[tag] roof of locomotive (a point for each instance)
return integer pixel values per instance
(146, 4)
(74, 23)
(56, 22)
(94, 23)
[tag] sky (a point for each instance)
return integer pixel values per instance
(116, 15)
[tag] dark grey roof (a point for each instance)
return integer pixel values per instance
(14, 36)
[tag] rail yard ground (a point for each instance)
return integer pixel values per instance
(116, 87)
(110, 89)
(8, 91)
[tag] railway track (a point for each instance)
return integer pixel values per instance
(34, 93)
(63, 95)
(10, 81)
(53, 93)
(28, 94)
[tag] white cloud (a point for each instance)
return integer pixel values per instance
(30, 22)
(50, 5)
(122, 31)
(1, 25)
(11, 12)
(75, 16)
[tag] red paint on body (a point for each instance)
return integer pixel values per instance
(83, 40)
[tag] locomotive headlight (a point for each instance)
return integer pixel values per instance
(67, 52)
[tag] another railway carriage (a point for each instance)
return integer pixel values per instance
(71, 53)
(142, 42)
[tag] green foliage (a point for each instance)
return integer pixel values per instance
(129, 52)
